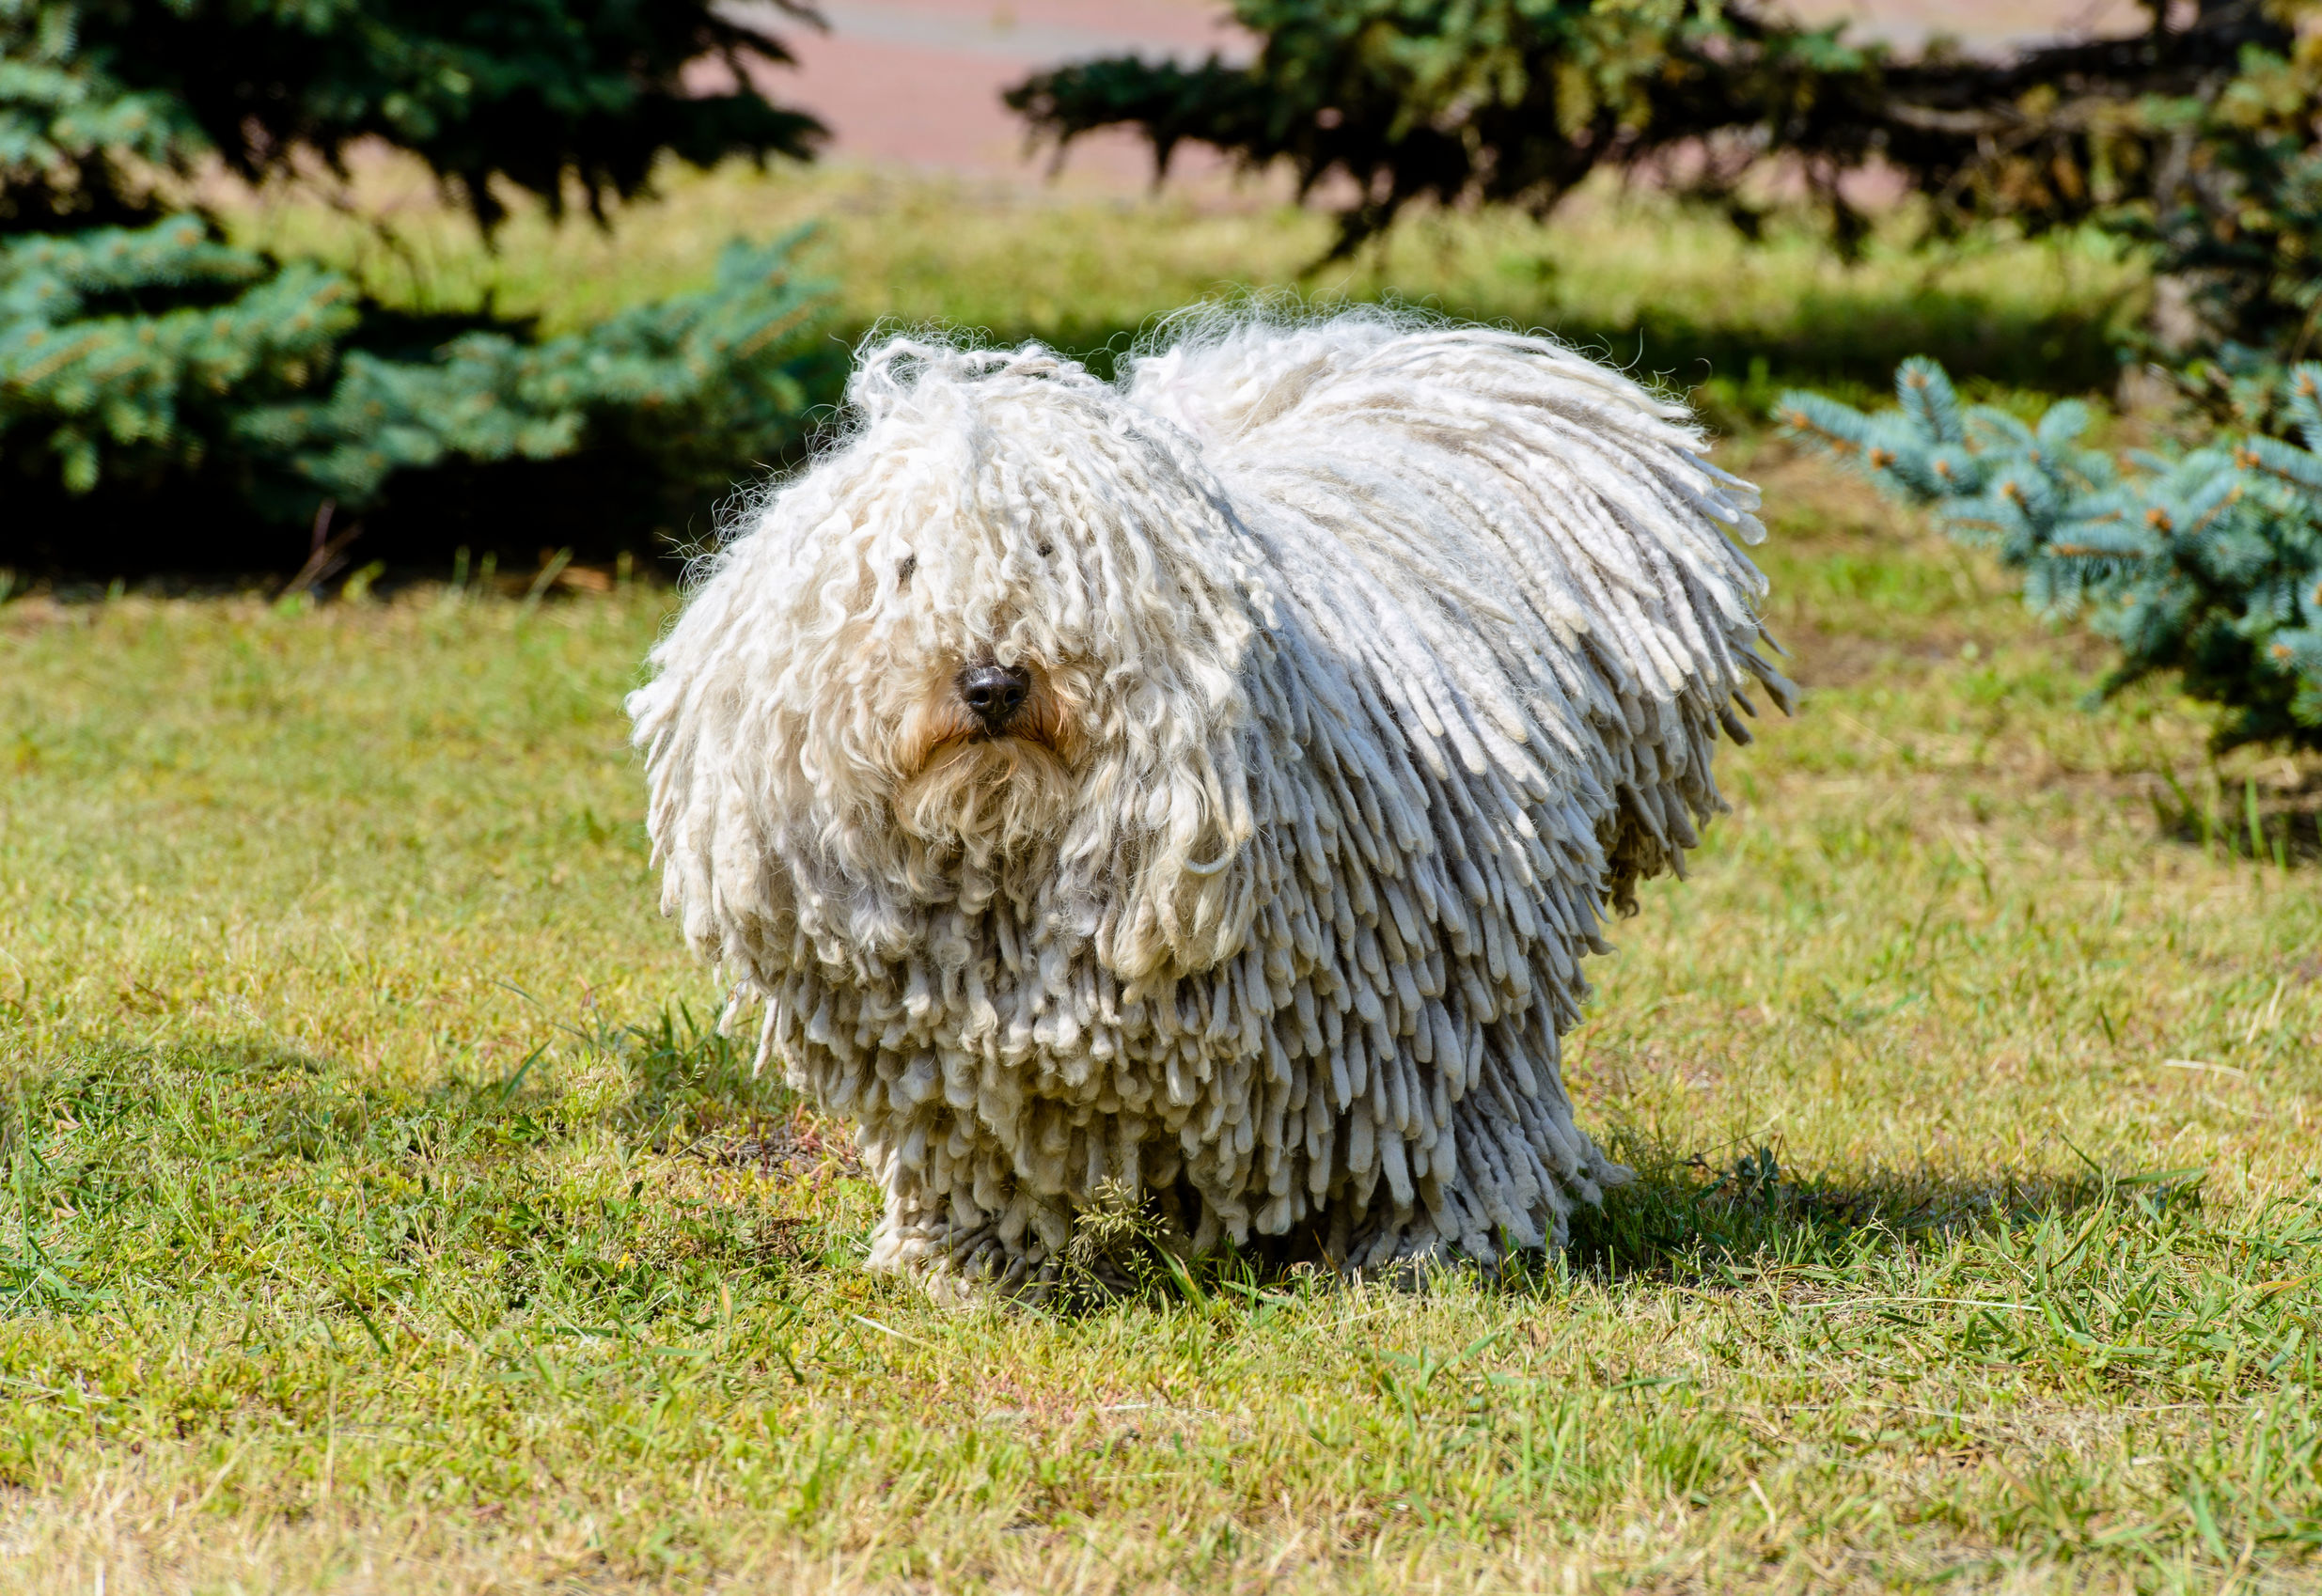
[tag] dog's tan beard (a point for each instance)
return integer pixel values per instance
(969, 798)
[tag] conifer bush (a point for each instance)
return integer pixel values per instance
(139, 349)
(1397, 102)
(2205, 564)
(2191, 142)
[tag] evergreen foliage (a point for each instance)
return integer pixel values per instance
(2235, 239)
(1517, 100)
(2207, 564)
(683, 378)
(77, 145)
(687, 380)
(136, 345)
(535, 93)
(97, 386)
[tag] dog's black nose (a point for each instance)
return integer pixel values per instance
(993, 692)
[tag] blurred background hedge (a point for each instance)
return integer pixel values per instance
(169, 400)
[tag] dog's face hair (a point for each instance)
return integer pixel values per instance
(986, 786)
(976, 666)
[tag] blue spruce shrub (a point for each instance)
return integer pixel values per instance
(2205, 563)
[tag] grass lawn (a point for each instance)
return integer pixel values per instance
(1666, 290)
(378, 1216)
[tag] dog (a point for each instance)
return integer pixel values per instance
(1200, 788)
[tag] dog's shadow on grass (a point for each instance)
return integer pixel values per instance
(696, 1092)
(687, 1077)
(1691, 1219)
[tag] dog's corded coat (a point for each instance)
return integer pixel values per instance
(1367, 662)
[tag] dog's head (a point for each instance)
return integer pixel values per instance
(993, 642)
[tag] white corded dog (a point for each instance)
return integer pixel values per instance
(1202, 790)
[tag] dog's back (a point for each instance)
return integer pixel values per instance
(1457, 483)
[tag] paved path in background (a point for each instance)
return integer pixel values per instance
(919, 81)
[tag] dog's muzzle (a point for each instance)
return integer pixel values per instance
(994, 695)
